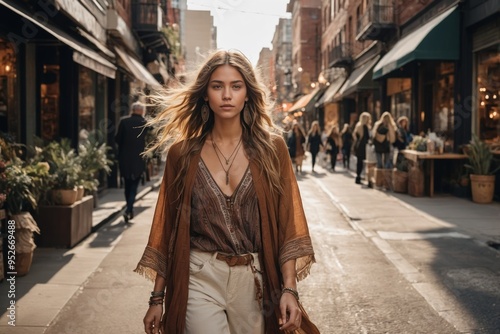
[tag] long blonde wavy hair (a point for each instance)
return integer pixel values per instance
(180, 121)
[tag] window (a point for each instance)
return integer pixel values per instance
(399, 93)
(443, 100)
(86, 102)
(9, 94)
(488, 92)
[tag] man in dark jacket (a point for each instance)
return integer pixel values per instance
(130, 138)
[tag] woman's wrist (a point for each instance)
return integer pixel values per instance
(291, 291)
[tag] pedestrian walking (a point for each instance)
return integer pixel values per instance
(333, 143)
(229, 237)
(346, 137)
(131, 139)
(403, 137)
(384, 135)
(361, 136)
(295, 143)
(314, 142)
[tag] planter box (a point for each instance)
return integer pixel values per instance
(399, 181)
(383, 178)
(64, 226)
(415, 181)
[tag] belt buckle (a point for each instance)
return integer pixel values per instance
(232, 260)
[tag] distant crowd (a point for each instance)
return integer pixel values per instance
(385, 138)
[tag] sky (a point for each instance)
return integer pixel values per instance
(246, 25)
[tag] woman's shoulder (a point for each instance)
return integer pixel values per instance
(278, 141)
(176, 149)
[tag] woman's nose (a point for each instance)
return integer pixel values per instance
(226, 94)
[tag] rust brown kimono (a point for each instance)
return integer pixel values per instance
(283, 227)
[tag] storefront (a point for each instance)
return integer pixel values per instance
(417, 76)
(327, 106)
(360, 92)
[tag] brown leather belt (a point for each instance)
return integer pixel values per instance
(236, 260)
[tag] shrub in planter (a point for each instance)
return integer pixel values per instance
(481, 169)
(93, 157)
(64, 171)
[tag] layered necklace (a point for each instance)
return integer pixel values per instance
(229, 160)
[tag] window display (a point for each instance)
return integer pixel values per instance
(9, 110)
(488, 93)
(86, 103)
(399, 92)
(49, 102)
(443, 100)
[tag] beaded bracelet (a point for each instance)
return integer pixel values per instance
(154, 303)
(157, 293)
(292, 291)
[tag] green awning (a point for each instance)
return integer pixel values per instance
(438, 39)
(360, 79)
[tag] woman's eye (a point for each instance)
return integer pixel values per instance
(237, 86)
(216, 86)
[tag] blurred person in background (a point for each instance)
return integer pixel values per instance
(314, 142)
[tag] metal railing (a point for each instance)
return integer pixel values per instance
(340, 54)
(376, 16)
(145, 15)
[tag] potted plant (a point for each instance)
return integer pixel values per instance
(93, 157)
(17, 187)
(64, 170)
(400, 176)
(482, 178)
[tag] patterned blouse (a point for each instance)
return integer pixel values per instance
(226, 224)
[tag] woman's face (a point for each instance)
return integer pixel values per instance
(226, 92)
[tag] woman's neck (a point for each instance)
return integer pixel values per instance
(227, 131)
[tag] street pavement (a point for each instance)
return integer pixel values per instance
(386, 263)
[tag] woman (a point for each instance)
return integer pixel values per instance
(229, 237)
(296, 146)
(403, 135)
(314, 142)
(384, 135)
(346, 137)
(333, 144)
(361, 135)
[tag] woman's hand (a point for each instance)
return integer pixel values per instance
(291, 315)
(152, 319)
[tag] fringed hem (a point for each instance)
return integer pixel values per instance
(147, 272)
(303, 266)
(151, 264)
(302, 252)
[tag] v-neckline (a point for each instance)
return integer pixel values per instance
(217, 185)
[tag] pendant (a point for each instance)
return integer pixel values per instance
(227, 178)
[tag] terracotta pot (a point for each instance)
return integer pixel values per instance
(64, 196)
(482, 187)
(79, 193)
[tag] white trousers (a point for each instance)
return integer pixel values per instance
(222, 298)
